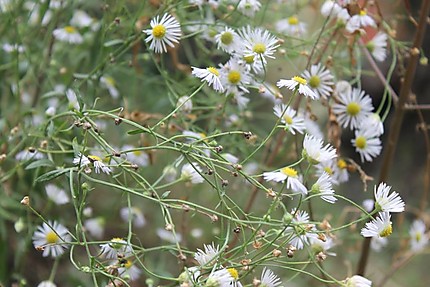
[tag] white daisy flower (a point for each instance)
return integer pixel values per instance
(299, 233)
(227, 40)
(373, 122)
(211, 75)
(352, 108)
(377, 243)
(129, 271)
(320, 80)
(289, 117)
(358, 21)
(109, 83)
(291, 26)
(269, 279)
(379, 227)
(163, 31)
(367, 144)
(191, 172)
(357, 281)
(336, 169)
(387, 202)
(315, 152)
(56, 194)
(298, 84)
(219, 278)
(46, 284)
(343, 87)
(185, 105)
(258, 43)
(193, 136)
(95, 227)
(419, 238)
(330, 8)
(291, 175)
(136, 156)
(324, 188)
(68, 34)
(134, 214)
(249, 7)
(208, 256)
(377, 46)
(116, 246)
(234, 76)
(52, 241)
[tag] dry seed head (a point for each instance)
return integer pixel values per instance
(320, 257)
(168, 227)
(276, 252)
(257, 244)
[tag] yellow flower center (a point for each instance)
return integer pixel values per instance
(418, 236)
(213, 71)
(363, 13)
(288, 119)
(70, 29)
(370, 46)
(128, 264)
(291, 172)
(233, 272)
(360, 142)
(341, 164)
(353, 108)
(116, 243)
(259, 48)
(51, 237)
(226, 38)
(212, 33)
(328, 170)
(314, 81)
(94, 158)
(158, 31)
(249, 59)
(234, 77)
(387, 231)
(110, 81)
(300, 80)
(137, 152)
(293, 20)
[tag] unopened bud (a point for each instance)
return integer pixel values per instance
(25, 201)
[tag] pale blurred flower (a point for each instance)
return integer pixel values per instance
(168, 235)
(291, 26)
(377, 46)
(191, 172)
(134, 214)
(109, 83)
(56, 194)
(46, 284)
(419, 239)
(357, 281)
(95, 226)
(68, 34)
(128, 270)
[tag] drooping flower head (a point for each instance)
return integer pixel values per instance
(314, 151)
(379, 227)
(387, 202)
(210, 75)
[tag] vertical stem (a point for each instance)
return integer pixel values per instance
(398, 116)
